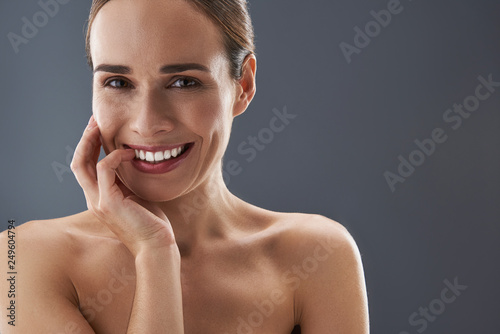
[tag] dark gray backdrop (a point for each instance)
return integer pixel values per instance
(353, 121)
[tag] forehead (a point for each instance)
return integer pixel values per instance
(146, 32)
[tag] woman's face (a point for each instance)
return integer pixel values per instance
(168, 86)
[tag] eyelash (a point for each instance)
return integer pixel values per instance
(193, 83)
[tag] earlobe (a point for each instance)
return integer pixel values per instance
(246, 85)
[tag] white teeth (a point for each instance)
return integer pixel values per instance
(158, 156)
(150, 157)
(166, 154)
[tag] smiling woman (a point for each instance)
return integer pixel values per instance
(169, 78)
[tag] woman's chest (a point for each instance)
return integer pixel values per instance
(220, 295)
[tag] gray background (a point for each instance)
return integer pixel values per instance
(353, 121)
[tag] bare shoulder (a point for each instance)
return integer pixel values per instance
(315, 243)
(324, 265)
(325, 240)
(52, 242)
(305, 233)
(45, 251)
(40, 245)
(61, 248)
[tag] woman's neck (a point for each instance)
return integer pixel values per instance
(210, 212)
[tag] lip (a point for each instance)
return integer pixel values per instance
(155, 148)
(161, 167)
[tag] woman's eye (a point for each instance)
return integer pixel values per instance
(185, 83)
(118, 83)
(180, 83)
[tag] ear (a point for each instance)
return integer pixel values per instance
(245, 87)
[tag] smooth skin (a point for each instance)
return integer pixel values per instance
(176, 252)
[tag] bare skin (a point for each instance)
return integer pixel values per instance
(80, 263)
(147, 257)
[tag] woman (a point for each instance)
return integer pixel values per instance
(169, 77)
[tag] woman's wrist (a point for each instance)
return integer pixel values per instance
(153, 255)
(157, 304)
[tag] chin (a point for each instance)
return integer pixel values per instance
(155, 192)
(151, 190)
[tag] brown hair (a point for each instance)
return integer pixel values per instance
(231, 16)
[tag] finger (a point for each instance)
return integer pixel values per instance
(85, 159)
(106, 174)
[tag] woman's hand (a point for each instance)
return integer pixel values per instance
(137, 223)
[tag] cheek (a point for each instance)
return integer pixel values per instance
(213, 123)
(107, 110)
(209, 119)
(108, 114)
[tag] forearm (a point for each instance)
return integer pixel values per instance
(157, 307)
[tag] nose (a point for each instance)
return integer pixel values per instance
(153, 115)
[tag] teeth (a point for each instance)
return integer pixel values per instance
(158, 156)
(150, 157)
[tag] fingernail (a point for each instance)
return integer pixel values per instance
(92, 123)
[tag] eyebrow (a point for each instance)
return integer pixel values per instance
(166, 69)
